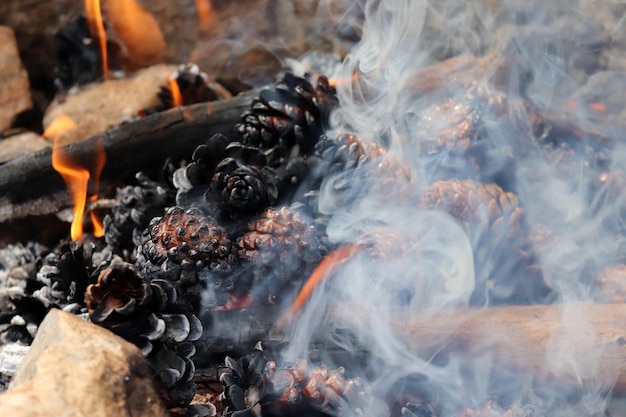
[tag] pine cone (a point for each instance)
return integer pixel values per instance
(187, 237)
(294, 112)
(483, 207)
(136, 206)
(243, 189)
(194, 87)
(494, 220)
(191, 251)
(279, 250)
(146, 313)
(194, 179)
(385, 177)
(344, 152)
(253, 385)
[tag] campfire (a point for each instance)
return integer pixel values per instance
(326, 208)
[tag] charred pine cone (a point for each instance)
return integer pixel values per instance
(242, 190)
(190, 250)
(56, 280)
(279, 250)
(294, 112)
(145, 312)
(136, 206)
(194, 179)
(254, 386)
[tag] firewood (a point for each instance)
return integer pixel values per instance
(30, 186)
(574, 344)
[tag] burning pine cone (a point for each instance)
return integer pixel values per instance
(193, 86)
(279, 250)
(294, 112)
(254, 386)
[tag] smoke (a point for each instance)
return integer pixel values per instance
(542, 77)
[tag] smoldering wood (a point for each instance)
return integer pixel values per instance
(29, 185)
(572, 344)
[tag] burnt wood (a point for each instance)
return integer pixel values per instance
(30, 186)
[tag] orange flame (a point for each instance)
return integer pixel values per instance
(328, 265)
(96, 27)
(177, 97)
(137, 29)
(205, 14)
(76, 178)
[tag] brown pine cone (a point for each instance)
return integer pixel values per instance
(345, 152)
(479, 206)
(325, 390)
(188, 238)
(279, 250)
(455, 123)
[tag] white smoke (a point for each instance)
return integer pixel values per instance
(534, 53)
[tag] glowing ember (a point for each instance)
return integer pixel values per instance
(76, 177)
(177, 98)
(340, 82)
(96, 26)
(328, 265)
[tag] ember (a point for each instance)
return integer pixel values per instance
(422, 216)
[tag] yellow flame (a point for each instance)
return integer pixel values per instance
(96, 27)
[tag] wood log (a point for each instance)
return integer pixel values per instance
(30, 186)
(575, 344)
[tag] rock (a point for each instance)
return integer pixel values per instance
(20, 145)
(15, 92)
(75, 368)
(98, 107)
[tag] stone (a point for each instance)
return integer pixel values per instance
(20, 145)
(101, 106)
(75, 368)
(15, 92)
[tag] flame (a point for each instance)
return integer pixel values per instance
(76, 177)
(96, 27)
(328, 265)
(138, 31)
(177, 98)
(205, 14)
(98, 227)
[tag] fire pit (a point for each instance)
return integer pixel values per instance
(390, 208)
